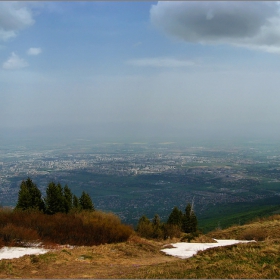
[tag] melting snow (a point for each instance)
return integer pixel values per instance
(181, 250)
(17, 252)
(186, 250)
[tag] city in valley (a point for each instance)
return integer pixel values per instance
(227, 184)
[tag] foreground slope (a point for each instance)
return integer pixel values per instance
(141, 258)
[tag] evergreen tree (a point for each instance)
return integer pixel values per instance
(156, 221)
(143, 220)
(157, 231)
(175, 217)
(193, 222)
(29, 196)
(55, 201)
(86, 202)
(76, 203)
(144, 227)
(68, 199)
(189, 222)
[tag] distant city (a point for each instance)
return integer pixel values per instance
(139, 178)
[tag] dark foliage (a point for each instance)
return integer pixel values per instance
(176, 224)
(189, 221)
(86, 202)
(57, 200)
(29, 196)
(176, 217)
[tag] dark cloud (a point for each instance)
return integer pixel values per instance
(235, 22)
(13, 17)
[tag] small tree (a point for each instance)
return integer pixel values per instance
(55, 200)
(29, 196)
(189, 222)
(157, 227)
(86, 202)
(175, 217)
(144, 227)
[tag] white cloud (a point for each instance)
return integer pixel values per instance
(14, 16)
(34, 51)
(160, 62)
(253, 24)
(6, 35)
(14, 62)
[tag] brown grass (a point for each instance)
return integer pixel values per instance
(203, 239)
(103, 261)
(259, 230)
(141, 258)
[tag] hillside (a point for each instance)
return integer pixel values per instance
(141, 258)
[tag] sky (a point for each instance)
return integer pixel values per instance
(140, 69)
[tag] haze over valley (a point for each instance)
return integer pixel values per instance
(144, 105)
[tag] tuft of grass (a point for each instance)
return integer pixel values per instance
(65, 251)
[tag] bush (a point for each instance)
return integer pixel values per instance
(253, 234)
(12, 234)
(190, 236)
(84, 228)
(171, 231)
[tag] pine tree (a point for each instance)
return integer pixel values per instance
(76, 203)
(55, 201)
(86, 202)
(156, 221)
(193, 222)
(157, 231)
(189, 222)
(144, 227)
(29, 196)
(143, 220)
(175, 217)
(68, 199)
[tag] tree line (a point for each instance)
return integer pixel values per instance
(58, 199)
(177, 223)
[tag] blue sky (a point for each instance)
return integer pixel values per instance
(140, 68)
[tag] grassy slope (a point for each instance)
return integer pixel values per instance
(140, 258)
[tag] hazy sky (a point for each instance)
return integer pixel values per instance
(140, 68)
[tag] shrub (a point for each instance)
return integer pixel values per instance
(145, 227)
(12, 234)
(253, 234)
(171, 231)
(84, 228)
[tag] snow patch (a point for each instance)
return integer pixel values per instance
(17, 252)
(185, 250)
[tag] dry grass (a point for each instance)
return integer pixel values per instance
(141, 258)
(258, 230)
(203, 239)
(103, 261)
